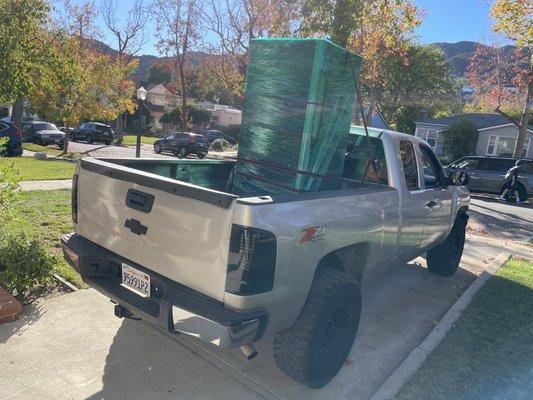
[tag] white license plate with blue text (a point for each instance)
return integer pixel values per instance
(136, 280)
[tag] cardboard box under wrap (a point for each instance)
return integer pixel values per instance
(300, 95)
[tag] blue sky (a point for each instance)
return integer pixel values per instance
(445, 21)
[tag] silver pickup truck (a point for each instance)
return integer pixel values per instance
(169, 242)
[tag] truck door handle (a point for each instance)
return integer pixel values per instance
(139, 201)
(431, 204)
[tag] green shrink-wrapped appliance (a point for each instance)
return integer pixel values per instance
(300, 96)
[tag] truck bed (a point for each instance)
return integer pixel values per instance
(175, 216)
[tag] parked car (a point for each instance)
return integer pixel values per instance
(43, 133)
(14, 144)
(172, 244)
(213, 134)
(487, 173)
(182, 144)
(93, 132)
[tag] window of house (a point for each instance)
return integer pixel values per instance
(504, 146)
(431, 136)
(492, 144)
(410, 170)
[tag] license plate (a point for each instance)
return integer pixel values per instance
(136, 280)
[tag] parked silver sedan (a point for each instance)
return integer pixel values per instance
(487, 174)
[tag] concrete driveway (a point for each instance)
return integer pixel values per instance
(72, 347)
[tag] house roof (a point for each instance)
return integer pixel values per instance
(154, 107)
(480, 120)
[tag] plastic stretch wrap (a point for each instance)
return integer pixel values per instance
(300, 95)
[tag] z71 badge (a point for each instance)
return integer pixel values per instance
(313, 233)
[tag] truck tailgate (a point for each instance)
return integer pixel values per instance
(182, 232)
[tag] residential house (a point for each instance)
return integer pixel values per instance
(222, 115)
(497, 134)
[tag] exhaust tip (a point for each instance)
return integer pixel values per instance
(249, 351)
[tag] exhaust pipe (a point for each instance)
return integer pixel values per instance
(249, 351)
(121, 312)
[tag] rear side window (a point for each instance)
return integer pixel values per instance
(433, 175)
(410, 170)
(469, 163)
(495, 164)
(357, 157)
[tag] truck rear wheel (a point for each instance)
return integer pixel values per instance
(314, 349)
(444, 258)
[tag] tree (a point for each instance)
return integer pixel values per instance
(235, 23)
(178, 30)
(22, 49)
(498, 78)
(334, 18)
(81, 84)
(513, 20)
(129, 37)
(419, 80)
(160, 72)
(197, 116)
(460, 139)
(219, 75)
(375, 29)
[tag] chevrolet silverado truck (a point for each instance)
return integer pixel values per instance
(170, 243)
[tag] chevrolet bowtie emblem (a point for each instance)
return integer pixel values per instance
(136, 226)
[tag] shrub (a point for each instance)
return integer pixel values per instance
(9, 193)
(460, 139)
(219, 145)
(24, 262)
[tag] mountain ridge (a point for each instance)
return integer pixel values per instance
(456, 54)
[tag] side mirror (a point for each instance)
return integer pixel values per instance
(458, 178)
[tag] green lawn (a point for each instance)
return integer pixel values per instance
(131, 140)
(488, 354)
(49, 212)
(53, 151)
(30, 169)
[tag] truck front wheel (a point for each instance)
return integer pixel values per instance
(444, 258)
(314, 349)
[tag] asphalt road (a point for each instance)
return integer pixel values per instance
(505, 221)
(101, 150)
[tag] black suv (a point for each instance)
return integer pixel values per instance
(92, 132)
(182, 144)
(213, 134)
(43, 133)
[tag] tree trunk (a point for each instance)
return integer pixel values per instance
(522, 131)
(120, 128)
(65, 144)
(183, 98)
(17, 112)
(371, 106)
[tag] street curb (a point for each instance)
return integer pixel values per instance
(392, 386)
(65, 283)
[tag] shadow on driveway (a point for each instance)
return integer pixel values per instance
(399, 310)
